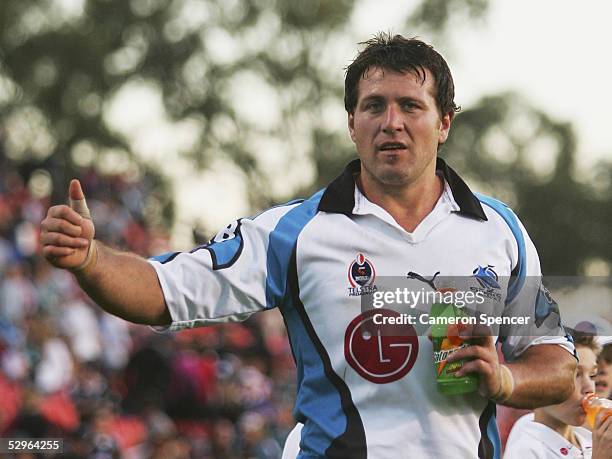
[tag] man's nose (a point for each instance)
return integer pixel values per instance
(393, 120)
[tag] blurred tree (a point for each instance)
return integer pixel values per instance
(64, 64)
(518, 154)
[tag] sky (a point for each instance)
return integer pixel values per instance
(553, 52)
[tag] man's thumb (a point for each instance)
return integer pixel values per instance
(77, 199)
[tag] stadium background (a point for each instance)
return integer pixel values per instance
(112, 389)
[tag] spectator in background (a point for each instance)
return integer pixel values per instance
(17, 294)
(257, 444)
(603, 380)
(224, 442)
(553, 431)
(68, 370)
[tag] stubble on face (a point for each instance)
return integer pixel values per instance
(396, 127)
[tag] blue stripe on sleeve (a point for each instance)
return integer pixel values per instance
(504, 211)
(281, 242)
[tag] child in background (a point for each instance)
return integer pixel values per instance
(603, 380)
(553, 431)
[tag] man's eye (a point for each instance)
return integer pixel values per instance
(373, 106)
(408, 106)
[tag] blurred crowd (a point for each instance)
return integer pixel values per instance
(112, 389)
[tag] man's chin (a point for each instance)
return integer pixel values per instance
(391, 176)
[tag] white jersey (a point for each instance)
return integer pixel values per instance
(532, 440)
(361, 394)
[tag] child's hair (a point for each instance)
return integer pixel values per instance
(606, 354)
(588, 341)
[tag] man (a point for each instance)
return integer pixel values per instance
(603, 380)
(397, 209)
(554, 431)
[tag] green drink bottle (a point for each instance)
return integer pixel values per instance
(446, 340)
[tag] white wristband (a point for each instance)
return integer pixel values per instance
(90, 260)
(506, 385)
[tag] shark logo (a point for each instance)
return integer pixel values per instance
(486, 277)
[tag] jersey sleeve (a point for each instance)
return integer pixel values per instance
(222, 281)
(528, 297)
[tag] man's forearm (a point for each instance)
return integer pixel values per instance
(125, 285)
(543, 375)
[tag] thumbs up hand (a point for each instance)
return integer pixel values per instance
(67, 233)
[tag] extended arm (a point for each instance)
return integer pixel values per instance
(123, 284)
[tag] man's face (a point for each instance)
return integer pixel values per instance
(603, 380)
(396, 127)
(570, 411)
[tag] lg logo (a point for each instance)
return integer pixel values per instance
(380, 353)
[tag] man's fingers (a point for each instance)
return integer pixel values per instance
(604, 420)
(66, 213)
(474, 366)
(478, 331)
(484, 341)
(471, 352)
(56, 225)
(62, 240)
(65, 237)
(51, 251)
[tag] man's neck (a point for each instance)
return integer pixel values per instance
(409, 204)
(565, 430)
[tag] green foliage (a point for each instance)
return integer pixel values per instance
(517, 153)
(436, 15)
(60, 69)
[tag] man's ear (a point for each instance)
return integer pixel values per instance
(351, 125)
(445, 124)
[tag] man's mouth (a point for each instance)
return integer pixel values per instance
(390, 146)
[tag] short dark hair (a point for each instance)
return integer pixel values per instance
(586, 340)
(606, 354)
(400, 54)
